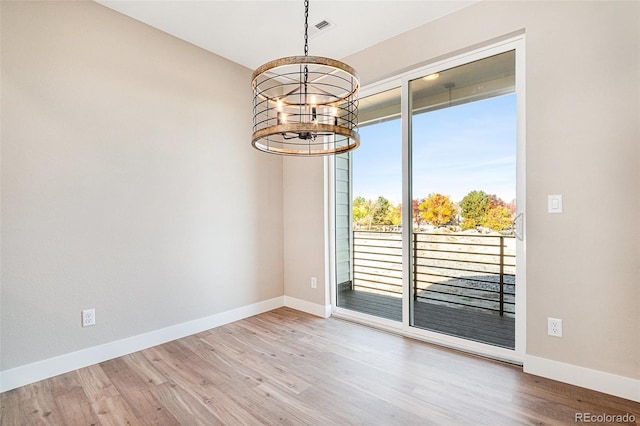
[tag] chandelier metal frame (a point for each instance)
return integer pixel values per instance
(305, 105)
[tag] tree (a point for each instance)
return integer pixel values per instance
(362, 211)
(495, 201)
(437, 209)
(395, 215)
(498, 218)
(415, 209)
(475, 206)
(381, 211)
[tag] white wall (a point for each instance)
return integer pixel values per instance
(128, 182)
(583, 128)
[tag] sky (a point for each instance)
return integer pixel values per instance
(455, 150)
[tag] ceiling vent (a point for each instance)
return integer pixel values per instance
(320, 27)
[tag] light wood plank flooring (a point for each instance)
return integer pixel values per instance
(289, 368)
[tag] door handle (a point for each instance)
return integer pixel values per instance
(518, 224)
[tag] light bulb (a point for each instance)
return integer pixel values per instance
(334, 113)
(314, 110)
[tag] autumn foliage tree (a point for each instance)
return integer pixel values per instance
(498, 218)
(381, 212)
(495, 201)
(437, 209)
(480, 209)
(476, 208)
(415, 211)
(362, 211)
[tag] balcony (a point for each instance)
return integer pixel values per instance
(463, 284)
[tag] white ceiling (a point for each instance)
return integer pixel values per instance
(254, 32)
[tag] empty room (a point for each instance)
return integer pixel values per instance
(319, 212)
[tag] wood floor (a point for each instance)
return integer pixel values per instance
(289, 368)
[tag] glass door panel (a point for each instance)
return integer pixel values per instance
(369, 186)
(463, 189)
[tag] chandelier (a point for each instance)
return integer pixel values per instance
(305, 105)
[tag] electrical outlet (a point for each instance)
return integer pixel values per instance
(314, 282)
(554, 327)
(88, 317)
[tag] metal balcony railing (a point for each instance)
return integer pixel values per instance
(471, 271)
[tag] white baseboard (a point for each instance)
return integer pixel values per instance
(30, 373)
(612, 384)
(322, 311)
(624, 387)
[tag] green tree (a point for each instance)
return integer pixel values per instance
(437, 209)
(498, 218)
(395, 215)
(381, 211)
(475, 206)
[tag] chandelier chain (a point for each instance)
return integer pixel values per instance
(306, 45)
(306, 27)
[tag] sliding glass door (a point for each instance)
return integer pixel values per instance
(368, 215)
(426, 209)
(463, 175)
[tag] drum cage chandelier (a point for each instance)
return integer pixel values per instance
(305, 105)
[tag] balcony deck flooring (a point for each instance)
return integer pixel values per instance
(469, 324)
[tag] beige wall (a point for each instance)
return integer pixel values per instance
(583, 133)
(304, 229)
(128, 182)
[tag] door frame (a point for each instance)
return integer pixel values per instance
(404, 328)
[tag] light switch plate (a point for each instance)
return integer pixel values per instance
(555, 204)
